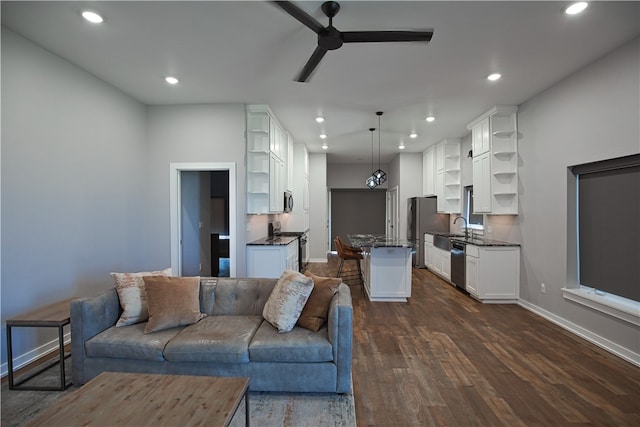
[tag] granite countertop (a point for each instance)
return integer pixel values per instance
(477, 240)
(376, 241)
(273, 241)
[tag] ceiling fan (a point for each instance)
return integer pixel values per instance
(329, 38)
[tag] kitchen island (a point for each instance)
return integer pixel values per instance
(386, 266)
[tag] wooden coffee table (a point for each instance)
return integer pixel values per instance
(123, 399)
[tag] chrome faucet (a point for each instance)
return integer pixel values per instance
(466, 228)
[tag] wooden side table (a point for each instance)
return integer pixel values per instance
(56, 315)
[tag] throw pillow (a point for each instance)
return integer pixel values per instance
(132, 295)
(316, 310)
(173, 301)
(289, 295)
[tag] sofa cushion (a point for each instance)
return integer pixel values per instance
(299, 345)
(130, 342)
(133, 296)
(173, 301)
(315, 311)
(241, 296)
(223, 339)
(287, 299)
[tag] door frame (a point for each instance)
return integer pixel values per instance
(393, 223)
(175, 201)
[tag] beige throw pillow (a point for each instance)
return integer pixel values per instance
(316, 310)
(173, 301)
(132, 295)
(289, 295)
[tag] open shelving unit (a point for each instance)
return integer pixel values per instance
(452, 176)
(258, 151)
(504, 162)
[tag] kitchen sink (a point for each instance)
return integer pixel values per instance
(442, 242)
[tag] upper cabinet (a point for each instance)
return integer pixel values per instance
(494, 140)
(442, 176)
(428, 172)
(267, 161)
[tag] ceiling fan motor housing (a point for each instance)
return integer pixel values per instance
(329, 38)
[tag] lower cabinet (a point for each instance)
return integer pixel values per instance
(271, 260)
(493, 273)
(435, 259)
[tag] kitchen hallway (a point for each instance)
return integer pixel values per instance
(445, 359)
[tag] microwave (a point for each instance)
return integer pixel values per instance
(288, 201)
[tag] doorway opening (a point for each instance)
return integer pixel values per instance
(203, 219)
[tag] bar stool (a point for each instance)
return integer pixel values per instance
(349, 253)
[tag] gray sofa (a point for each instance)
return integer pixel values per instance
(233, 340)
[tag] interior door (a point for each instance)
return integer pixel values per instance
(393, 227)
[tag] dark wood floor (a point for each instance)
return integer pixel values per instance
(444, 359)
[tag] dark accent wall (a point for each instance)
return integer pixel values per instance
(357, 212)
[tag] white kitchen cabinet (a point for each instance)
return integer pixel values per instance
(493, 273)
(440, 191)
(429, 172)
(428, 251)
(271, 260)
(445, 263)
(448, 184)
(471, 271)
(289, 164)
(441, 262)
(482, 183)
(387, 273)
(494, 137)
(480, 142)
(277, 183)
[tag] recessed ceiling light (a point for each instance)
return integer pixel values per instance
(430, 119)
(401, 146)
(576, 8)
(323, 136)
(171, 80)
(493, 77)
(319, 119)
(413, 135)
(325, 146)
(92, 17)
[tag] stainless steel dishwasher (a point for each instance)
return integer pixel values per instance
(458, 262)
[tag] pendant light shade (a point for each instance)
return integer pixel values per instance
(371, 181)
(379, 175)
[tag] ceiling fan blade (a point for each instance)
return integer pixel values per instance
(311, 64)
(386, 36)
(300, 15)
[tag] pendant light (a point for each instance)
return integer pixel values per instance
(379, 175)
(371, 181)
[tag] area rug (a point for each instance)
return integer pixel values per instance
(266, 409)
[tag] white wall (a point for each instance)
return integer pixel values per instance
(192, 134)
(409, 173)
(592, 115)
(318, 208)
(73, 176)
(351, 176)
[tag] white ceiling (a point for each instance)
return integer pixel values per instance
(249, 52)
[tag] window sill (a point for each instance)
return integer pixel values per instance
(613, 305)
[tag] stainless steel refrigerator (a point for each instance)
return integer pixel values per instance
(422, 217)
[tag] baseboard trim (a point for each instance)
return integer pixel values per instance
(33, 355)
(618, 350)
